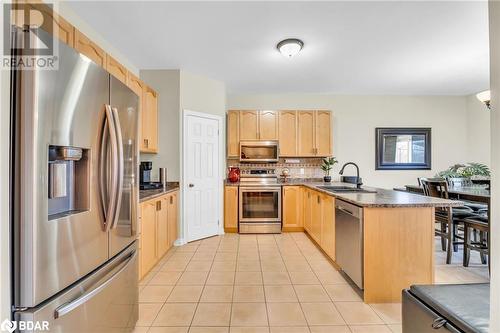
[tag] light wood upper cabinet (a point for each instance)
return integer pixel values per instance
(149, 119)
(148, 236)
(135, 84)
(323, 133)
(54, 23)
(292, 207)
(233, 134)
(328, 226)
(162, 218)
(116, 69)
(231, 208)
(172, 219)
(287, 132)
(249, 125)
(303, 133)
(268, 125)
(306, 134)
(90, 49)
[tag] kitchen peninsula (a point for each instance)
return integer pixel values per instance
(395, 229)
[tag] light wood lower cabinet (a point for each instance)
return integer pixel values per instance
(231, 209)
(292, 208)
(316, 216)
(328, 225)
(307, 196)
(158, 230)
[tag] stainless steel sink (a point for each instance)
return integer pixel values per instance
(345, 189)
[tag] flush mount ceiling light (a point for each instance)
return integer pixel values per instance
(290, 47)
(485, 97)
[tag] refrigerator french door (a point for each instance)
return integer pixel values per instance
(74, 188)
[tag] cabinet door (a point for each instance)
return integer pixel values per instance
(162, 227)
(268, 125)
(60, 28)
(136, 84)
(249, 125)
(316, 204)
(328, 226)
(306, 130)
(233, 134)
(90, 49)
(149, 121)
(116, 69)
(292, 207)
(172, 219)
(323, 133)
(307, 196)
(287, 133)
(231, 208)
(148, 232)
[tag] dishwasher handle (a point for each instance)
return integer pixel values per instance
(349, 209)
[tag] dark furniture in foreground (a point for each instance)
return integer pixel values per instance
(446, 308)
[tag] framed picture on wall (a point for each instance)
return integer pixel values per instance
(402, 148)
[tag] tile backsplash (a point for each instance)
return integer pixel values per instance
(305, 168)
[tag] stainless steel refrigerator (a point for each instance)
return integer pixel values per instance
(74, 197)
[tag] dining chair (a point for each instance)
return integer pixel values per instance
(478, 224)
(448, 218)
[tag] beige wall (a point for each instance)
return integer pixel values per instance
(178, 91)
(494, 17)
(167, 84)
(478, 131)
(356, 117)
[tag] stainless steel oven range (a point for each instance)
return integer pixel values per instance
(259, 201)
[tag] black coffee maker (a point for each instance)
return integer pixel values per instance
(145, 177)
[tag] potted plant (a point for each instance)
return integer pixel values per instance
(328, 163)
(463, 173)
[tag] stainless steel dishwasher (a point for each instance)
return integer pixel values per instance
(349, 240)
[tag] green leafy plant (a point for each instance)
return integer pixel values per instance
(469, 170)
(328, 164)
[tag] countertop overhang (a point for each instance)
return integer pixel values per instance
(383, 198)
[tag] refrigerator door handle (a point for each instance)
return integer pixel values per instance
(70, 306)
(107, 188)
(120, 168)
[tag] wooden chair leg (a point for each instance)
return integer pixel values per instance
(482, 240)
(443, 238)
(454, 232)
(449, 251)
(466, 256)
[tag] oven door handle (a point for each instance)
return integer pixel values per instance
(260, 189)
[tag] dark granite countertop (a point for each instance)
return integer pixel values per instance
(382, 198)
(145, 195)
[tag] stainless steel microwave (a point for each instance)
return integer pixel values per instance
(259, 151)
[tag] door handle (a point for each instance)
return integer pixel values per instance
(191, 185)
(120, 169)
(70, 306)
(109, 193)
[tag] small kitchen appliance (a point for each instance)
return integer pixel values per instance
(145, 177)
(234, 174)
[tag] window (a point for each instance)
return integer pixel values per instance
(403, 149)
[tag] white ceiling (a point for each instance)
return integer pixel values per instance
(437, 48)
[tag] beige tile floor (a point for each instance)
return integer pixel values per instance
(265, 283)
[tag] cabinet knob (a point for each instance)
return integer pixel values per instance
(191, 185)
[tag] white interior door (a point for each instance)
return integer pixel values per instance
(201, 179)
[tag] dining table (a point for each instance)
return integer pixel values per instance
(474, 193)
